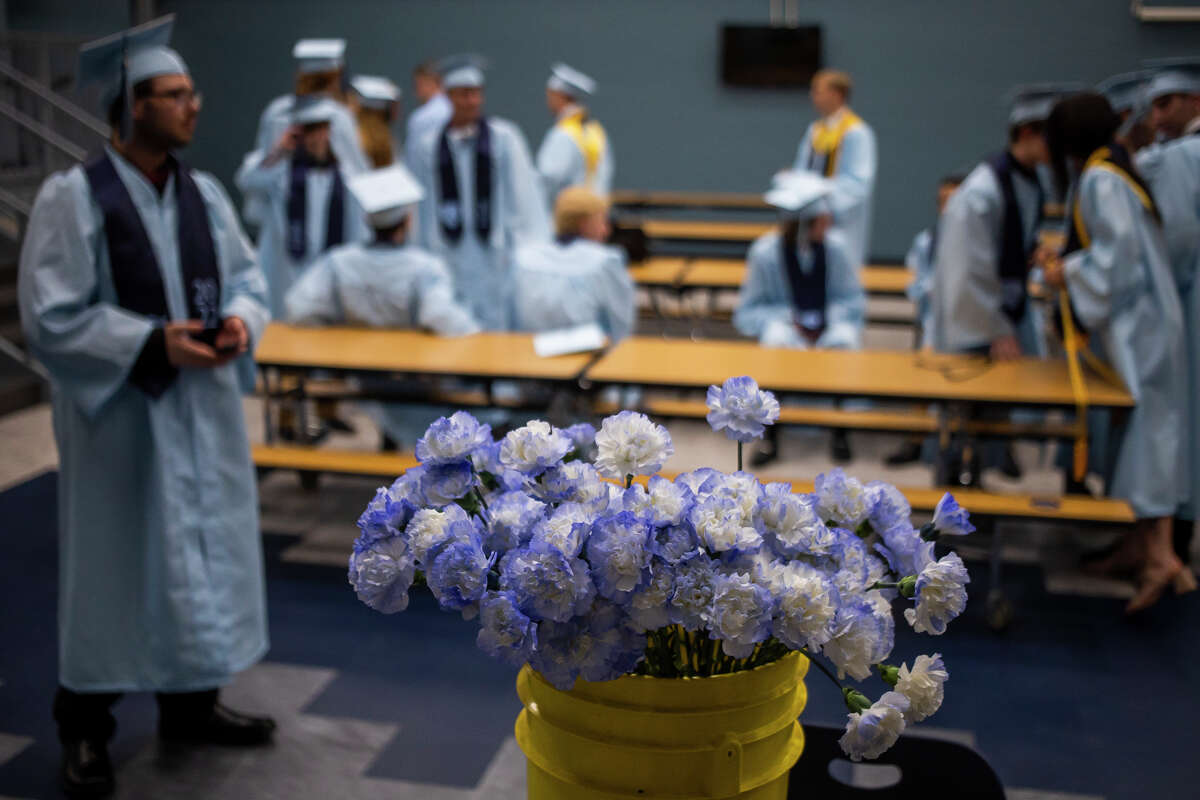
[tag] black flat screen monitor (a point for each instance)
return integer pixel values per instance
(770, 56)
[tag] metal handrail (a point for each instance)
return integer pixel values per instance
(53, 98)
(47, 135)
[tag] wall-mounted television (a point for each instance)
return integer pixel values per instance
(770, 56)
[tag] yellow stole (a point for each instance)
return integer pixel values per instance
(588, 136)
(827, 140)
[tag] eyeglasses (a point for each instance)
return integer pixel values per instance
(181, 97)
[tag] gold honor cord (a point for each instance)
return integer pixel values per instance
(828, 141)
(589, 137)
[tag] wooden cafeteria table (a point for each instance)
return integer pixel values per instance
(703, 231)
(710, 200)
(658, 271)
(683, 363)
(729, 273)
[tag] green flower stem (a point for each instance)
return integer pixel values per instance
(479, 496)
(812, 660)
(628, 481)
(739, 456)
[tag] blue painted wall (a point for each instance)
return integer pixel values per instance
(930, 75)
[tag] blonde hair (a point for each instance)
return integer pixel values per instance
(376, 136)
(327, 83)
(573, 206)
(838, 80)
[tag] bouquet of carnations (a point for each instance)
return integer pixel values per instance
(574, 564)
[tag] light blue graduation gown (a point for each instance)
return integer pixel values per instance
(380, 286)
(482, 271)
(432, 115)
(919, 261)
(1173, 172)
(1122, 289)
(967, 290)
(560, 162)
(582, 282)
(343, 140)
(765, 309)
(854, 187)
(160, 562)
(270, 184)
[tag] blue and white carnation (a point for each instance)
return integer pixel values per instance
(862, 637)
(740, 409)
(381, 572)
(546, 584)
(505, 632)
(941, 595)
(741, 613)
(842, 500)
(446, 483)
(648, 606)
(808, 606)
(923, 685)
(951, 519)
(534, 448)
(887, 507)
(452, 439)
(429, 529)
(566, 529)
(582, 436)
(871, 732)
(458, 576)
(904, 549)
(792, 524)
(574, 481)
(512, 517)
(661, 502)
(700, 481)
(692, 600)
(618, 550)
(386, 516)
(719, 522)
(629, 443)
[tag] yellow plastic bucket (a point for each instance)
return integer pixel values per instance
(721, 737)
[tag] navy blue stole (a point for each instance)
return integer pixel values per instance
(1014, 255)
(136, 273)
(808, 289)
(450, 216)
(297, 208)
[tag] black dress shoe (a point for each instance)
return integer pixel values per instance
(339, 425)
(767, 455)
(909, 453)
(1009, 466)
(839, 449)
(86, 770)
(222, 726)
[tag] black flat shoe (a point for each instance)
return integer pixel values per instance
(1009, 466)
(909, 453)
(86, 770)
(767, 455)
(222, 726)
(839, 449)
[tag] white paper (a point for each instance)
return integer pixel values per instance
(580, 339)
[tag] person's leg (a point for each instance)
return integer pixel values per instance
(1184, 531)
(1161, 568)
(200, 718)
(85, 726)
(768, 449)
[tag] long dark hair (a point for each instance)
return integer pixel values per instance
(1076, 128)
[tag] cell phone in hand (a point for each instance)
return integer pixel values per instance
(209, 337)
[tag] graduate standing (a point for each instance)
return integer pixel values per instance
(802, 290)
(137, 292)
(1173, 171)
(482, 197)
(576, 150)
(576, 279)
(385, 283)
(302, 187)
(1122, 295)
(376, 103)
(841, 147)
(432, 114)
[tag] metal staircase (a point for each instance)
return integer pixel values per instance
(41, 131)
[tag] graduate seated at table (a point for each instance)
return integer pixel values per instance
(375, 101)
(385, 283)
(575, 279)
(802, 289)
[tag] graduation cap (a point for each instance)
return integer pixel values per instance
(570, 81)
(310, 109)
(386, 195)
(375, 91)
(800, 194)
(1123, 91)
(1033, 102)
(119, 62)
(319, 55)
(1173, 76)
(464, 71)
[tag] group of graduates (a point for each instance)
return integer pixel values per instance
(143, 298)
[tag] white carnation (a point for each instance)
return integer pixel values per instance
(870, 733)
(630, 444)
(923, 685)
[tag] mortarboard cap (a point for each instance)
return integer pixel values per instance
(310, 109)
(570, 81)
(1122, 91)
(1033, 102)
(386, 195)
(118, 62)
(1173, 76)
(319, 55)
(800, 194)
(375, 91)
(463, 71)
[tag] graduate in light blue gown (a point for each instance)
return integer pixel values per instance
(920, 262)
(138, 290)
(434, 111)
(384, 284)
(482, 198)
(987, 236)
(801, 289)
(841, 146)
(1172, 169)
(575, 279)
(301, 186)
(576, 151)
(1122, 294)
